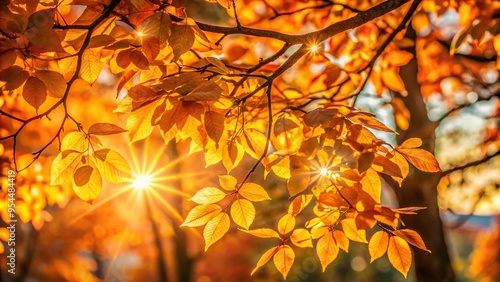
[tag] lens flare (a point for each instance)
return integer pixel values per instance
(142, 182)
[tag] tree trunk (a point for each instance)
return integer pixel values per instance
(420, 188)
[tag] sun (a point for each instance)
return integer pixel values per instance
(142, 182)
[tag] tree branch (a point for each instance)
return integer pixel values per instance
(316, 36)
(471, 164)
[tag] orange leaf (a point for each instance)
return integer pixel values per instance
(391, 79)
(104, 128)
(399, 254)
(421, 159)
(412, 237)
(34, 92)
(352, 232)
(378, 245)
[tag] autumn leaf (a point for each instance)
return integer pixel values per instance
(228, 182)
(253, 192)
(265, 258)
(393, 81)
(378, 245)
(301, 238)
(352, 232)
(139, 122)
(62, 168)
(243, 213)
(54, 82)
(341, 240)
(113, 167)
(399, 254)
(286, 224)
(157, 25)
(76, 141)
(421, 159)
(411, 143)
(208, 195)
(214, 125)
(371, 184)
(262, 233)
(299, 204)
(181, 39)
(327, 250)
(206, 91)
(215, 229)
(12, 77)
(412, 237)
(104, 128)
(87, 183)
(283, 260)
(34, 92)
(91, 66)
(201, 214)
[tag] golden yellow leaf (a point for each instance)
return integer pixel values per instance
(34, 92)
(282, 168)
(208, 195)
(301, 238)
(393, 81)
(412, 237)
(265, 258)
(352, 232)
(341, 240)
(201, 214)
(243, 213)
(87, 183)
(254, 142)
(299, 181)
(283, 260)
(113, 167)
(371, 184)
(215, 229)
(411, 143)
(287, 135)
(327, 250)
(421, 159)
(399, 254)
(228, 182)
(378, 245)
(253, 192)
(91, 66)
(139, 122)
(61, 171)
(286, 224)
(262, 233)
(299, 204)
(76, 141)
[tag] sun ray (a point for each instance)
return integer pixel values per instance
(170, 190)
(113, 196)
(177, 176)
(178, 218)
